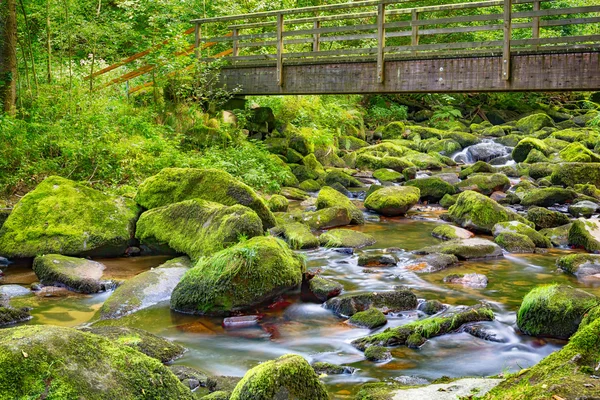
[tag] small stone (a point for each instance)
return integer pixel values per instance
(377, 353)
(471, 280)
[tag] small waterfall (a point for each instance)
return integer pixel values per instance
(487, 150)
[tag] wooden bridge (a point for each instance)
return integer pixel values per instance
(392, 46)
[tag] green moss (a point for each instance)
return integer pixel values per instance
(144, 342)
(289, 374)
(423, 161)
(554, 310)
(432, 188)
(346, 305)
(394, 130)
(10, 315)
(445, 147)
(373, 162)
(571, 174)
(292, 156)
(576, 264)
(371, 318)
(465, 249)
(388, 175)
(393, 200)
(346, 238)
(377, 353)
(522, 149)
(544, 218)
(329, 197)
(197, 227)
(326, 218)
(300, 142)
(485, 183)
(535, 156)
(239, 277)
(328, 156)
(586, 234)
(293, 193)
(302, 173)
(427, 328)
(577, 152)
(515, 242)
(337, 176)
(377, 391)
(449, 232)
(478, 212)
(331, 369)
(518, 227)
(64, 217)
(478, 167)
(540, 170)
(77, 274)
(310, 185)
(297, 235)
(56, 363)
(448, 201)
(278, 203)
(533, 123)
(510, 140)
(173, 185)
(218, 395)
(351, 143)
(324, 289)
(463, 138)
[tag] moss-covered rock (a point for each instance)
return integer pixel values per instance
(77, 274)
(485, 183)
(57, 363)
(448, 201)
(586, 234)
(351, 143)
(293, 193)
(571, 174)
(518, 227)
(237, 278)
(346, 238)
(174, 185)
(377, 353)
(146, 289)
(11, 315)
(424, 161)
(534, 123)
(346, 305)
(278, 203)
(64, 217)
(431, 307)
(580, 265)
(337, 176)
(371, 319)
(218, 395)
(522, 149)
(544, 218)
(465, 249)
(421, 330)
(393, 201)
(302, 173)
(297, 235)
(577, 152)
(197, 227)
(445, 147)
(475, 211)
(388, 175)
(558, 236)
(329, 197)
(515, 242)
(288, 377)
(478, 167)
(554, 310)
(376, 259)
(394, 130)
(451, 232)
(331, 369)
(326, 218)
(372, 162)
(432, 188)
(151, 345)
(583, 208)
(324, 289)
(535, 156)
(310, 185)
(546, 197)
(327, 155)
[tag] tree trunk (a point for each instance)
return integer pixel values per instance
(8, 55)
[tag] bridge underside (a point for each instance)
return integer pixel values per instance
(578, 71)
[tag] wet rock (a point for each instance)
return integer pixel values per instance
(145, 289)
(377, 259)
(571, 174)
(449, 177)
(481, 332)
(337, 176)
(65, 217)
(329, 197)
(433, 262)
(451, 232)
(388, 175)
(344, 250)
(431, 307)
(289, 376)
(377, 353)
(534, 123)
(278, 203)
(346, 238)
(470, 280)
(310, 185)
(332, 369)
(327, 218)
(218, 395)
(544, 218)
(393, 200)
(585, 233)
(583, 208)
(581, 265)
(77, 274)
(338, 187)
(54, 291)
(485, 183)
(29, 350)
(487, 151)
(324, 289)
(241, 322)
(266, 266)
(554, 310)
(220, 384)
(448, 201)
(515, 242)
(189, 377)
(11, 291)
(432, 188)
(411, 380)
(294, 193)
(522, 149)
(297, 235)
(4, 262)
(151, 345)
(465, 249)
(559, 236)
(371, 318)
(547, 197)
(10, 315)
(458, 389)
(537, 238)
(478, 167)
(400, 299)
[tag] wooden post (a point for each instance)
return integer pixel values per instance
(380, 43)
(535, 22)
(236, 50)
(197, 33)
(507, 38)
(317, 37)
(280, 49)
(415, 29)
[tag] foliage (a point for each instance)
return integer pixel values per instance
(381, 110)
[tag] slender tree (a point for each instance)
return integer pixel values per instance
(8, 55)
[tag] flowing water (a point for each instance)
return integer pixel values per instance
(294, 325)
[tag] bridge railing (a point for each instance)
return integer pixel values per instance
(380, 30)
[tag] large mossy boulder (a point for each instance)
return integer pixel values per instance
(297, 235)
(393, 200)
(346, 305)
(522, 149)
(485, 183)
(196, 227)
(580, 265)
(571, 174)
(585, 233)
(64, 217)
(77, 274)
(173, 185)
(432, 188)
(547, 197)
(577, 152)
(520, 228)
(326, 218)
(451, 232)
(478, 167)
(146, 289)
(288, 377)
(544, 218)
(534, 123)
(238, 278)
(477, 212)
(515, 242)
(554, 310)
(54, 362)
(465, 249)
(337, 176)
(346, 238)
(329, 197)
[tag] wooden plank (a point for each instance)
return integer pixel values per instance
(507, 38)
(414, 41)
(380, 43)
(280, 49)
(235, 50)
(317, 37)
(197, 38)
(535, 25)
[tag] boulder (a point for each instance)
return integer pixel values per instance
(377, 259)
(377, 353)
(547, 197)
(534, 123)
(571, 174)
(544, 218)
(32, 355)
(581, 265)
(487, 151)
(388, 175)
(558, 236)
(577, 152)
(584, 208)
(64, 217)
(329, 197)
(331, 369)
(451, 232)
(10, 315)
(77, 274)
(554, 310)
(278, 203)
(484, 183)
(346, 305)
(585, 233)
(337, 176)
(433, 262)
(394, 130)
(288, 377)
(145, 290)
(324, 289)
(371, 319)
(432, 188)
(310, 185)
(346, 238)
(196, 227)
(522, 149)
(470, 280)
(465, 249)
(294, 194)
(297, 235)
(477, 212)
(518, 227)
(393, 200)
(431, 307)
(326, 218)
(515, 242)
(478, 167)
(238, 278)
(174, 185)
